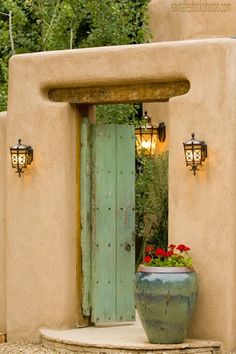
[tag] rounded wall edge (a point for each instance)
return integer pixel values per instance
(3, 116)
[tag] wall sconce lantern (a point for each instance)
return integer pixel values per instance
(21, 156)
(147, 135)
(195, 153)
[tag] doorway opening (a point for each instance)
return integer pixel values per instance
(122, 104)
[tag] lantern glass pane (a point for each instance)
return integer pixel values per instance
(148, 144)
(14, 159)
(189, 156)
(146, 141)
(154, 144)
(22, 159)
(197, 156)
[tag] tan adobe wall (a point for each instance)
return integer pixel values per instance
(3, 116)
(41, 242)
(173, 20)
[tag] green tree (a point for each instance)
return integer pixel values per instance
(39, 25)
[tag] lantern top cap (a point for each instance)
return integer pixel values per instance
(20, 146)
(193, 141)
(148, 123)
(146, 116)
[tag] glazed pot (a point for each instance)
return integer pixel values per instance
(165, 297)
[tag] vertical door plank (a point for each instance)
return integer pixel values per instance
(104, 224)
(85, 216)
(125, 222)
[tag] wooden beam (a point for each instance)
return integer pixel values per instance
(153, 92)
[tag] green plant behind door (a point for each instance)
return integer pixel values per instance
(151, 196)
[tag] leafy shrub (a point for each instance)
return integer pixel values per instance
(151, 201)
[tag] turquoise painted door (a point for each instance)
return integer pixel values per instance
(108, 221)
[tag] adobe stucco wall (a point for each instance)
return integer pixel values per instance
(167, 24)
(173, 20)
(3, 223)
(41, 205)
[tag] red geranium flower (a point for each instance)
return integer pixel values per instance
(147, 259)
(169, 253)
(171, 246)
(183, 248)
(161, 252)
(174, 256)
(149, 249)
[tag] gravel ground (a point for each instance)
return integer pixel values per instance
(24, 348)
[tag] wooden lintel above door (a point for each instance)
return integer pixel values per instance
(151, 92)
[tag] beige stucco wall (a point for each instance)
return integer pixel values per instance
(186, 19)
(201, 207)
(3, 116)
(41, 223)
(172, 20)
(168, 22)
(41, 206)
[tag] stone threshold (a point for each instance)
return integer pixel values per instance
(126, 339)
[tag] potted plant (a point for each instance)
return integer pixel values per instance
(165, 293)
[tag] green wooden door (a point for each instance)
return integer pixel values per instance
(108, 221)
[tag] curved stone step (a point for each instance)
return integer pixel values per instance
(128, 339)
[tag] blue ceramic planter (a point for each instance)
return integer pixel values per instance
(165, 297)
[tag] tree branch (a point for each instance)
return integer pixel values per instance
(71, 38)
(10, 34)
(51, 23)
(3, 13)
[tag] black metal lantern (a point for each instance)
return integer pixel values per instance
(195, 153)
(21, 156)
(147, 135)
